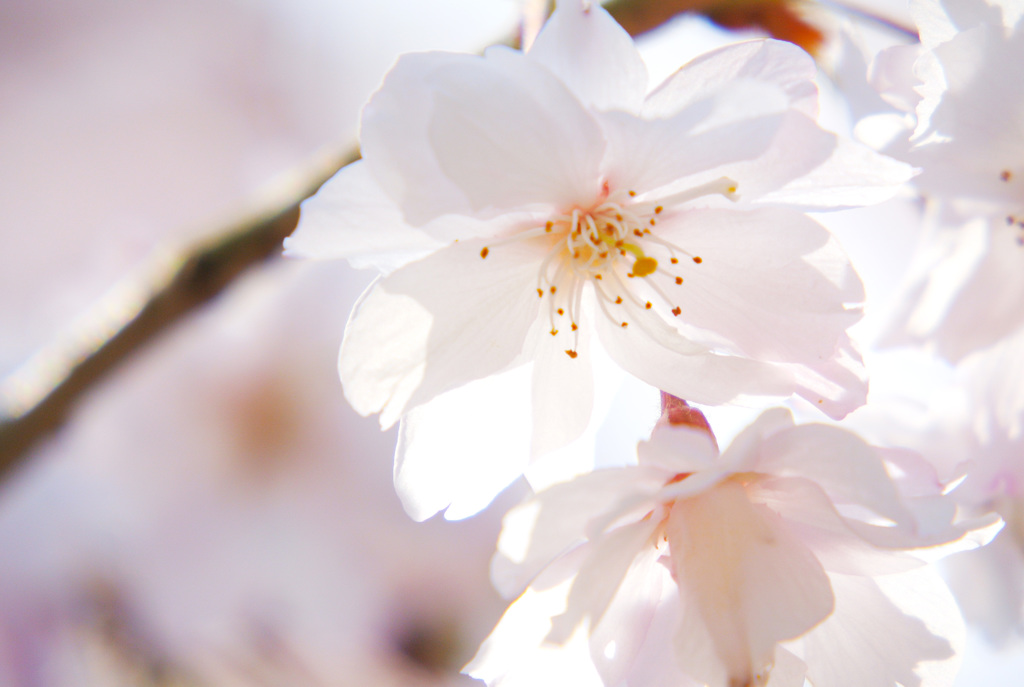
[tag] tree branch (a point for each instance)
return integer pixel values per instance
(203, 274)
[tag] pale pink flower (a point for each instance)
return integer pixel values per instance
(788, 556)
(967, 289)
(534, 205)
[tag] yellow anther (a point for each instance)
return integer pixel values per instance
(644, 266)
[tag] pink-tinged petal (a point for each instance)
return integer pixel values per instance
(616, 641)
(771, 62)
(557, 519)
(772, 282)
(510, 135)
(648, 348)
(593, 56)
(395, 143)
(606, 565)
(351, 217)
(484, 451)
(678, 449)
(646, 155)
(809, 514)
(563, 389)
(844, 465)
(849, 648)
(787, 670)
(436, 324)
(752, 581)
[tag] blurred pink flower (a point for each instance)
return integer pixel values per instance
(967, 289)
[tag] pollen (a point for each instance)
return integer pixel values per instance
(553, 289)
(697, 259)
(674, 261)
(677, 311)
(632, 194)
(644, 266)
(658, 210)
(540, 293)
(554, 332)
(618, 300)
(572, 354)
(1006, 175)
(574, 327)
(679, 280)
(548, 227)
(625, 324)
(649, 305)
(560, 311)
(484, 252)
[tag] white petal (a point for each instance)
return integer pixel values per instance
(990, 302)
(538, 531)
(799, 147)
(351, 217)
(436, 324)
(989, 586)
(838, 385)
(850, 649)
(394, 139)
(515, 654)
(644, 155)
(651, 350)
(563, 391)
(593, 56)
(852, 175)
(753, 582)
(772, 62)
(773, 283)
(483, 439)
(510, 135)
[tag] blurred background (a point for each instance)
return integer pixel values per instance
(213, 513)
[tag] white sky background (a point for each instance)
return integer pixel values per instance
(128, 128)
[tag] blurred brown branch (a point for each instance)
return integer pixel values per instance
(205, 272)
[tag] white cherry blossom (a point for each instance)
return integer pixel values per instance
(967, 289)
(788, 556)
(529, 207)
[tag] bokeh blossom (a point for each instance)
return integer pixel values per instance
(967, 289)
(780, 559)
(530, 207)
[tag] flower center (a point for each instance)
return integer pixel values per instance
(615, 247)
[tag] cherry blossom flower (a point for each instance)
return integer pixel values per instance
(781, 559)
(972, 431)
(967, 289)
(533, 207)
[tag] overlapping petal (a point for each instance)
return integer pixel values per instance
(768, 562)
